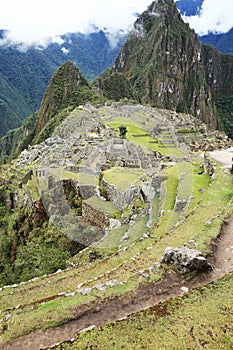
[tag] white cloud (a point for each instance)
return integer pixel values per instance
(65, 50)
(36, 21)
(216, 16)
(43, 21)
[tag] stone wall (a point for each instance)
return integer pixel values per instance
(119, 198)
(208, 166)
(94, 217)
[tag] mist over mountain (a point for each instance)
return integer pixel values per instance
(25, 75)
(222, 41)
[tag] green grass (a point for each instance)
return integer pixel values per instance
(32, 185)
(112, 239)
(203, 207)
(137, 230)
(170, 187)
(202, 319)
(106, 207)
(83, 179)
(137, 135)
(60, 309)
(123, 178)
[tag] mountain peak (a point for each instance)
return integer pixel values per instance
(60, 92)
(156, 10)
(164, 64)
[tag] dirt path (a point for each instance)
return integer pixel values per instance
(101, 312)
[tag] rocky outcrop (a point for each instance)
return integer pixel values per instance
(39, 215)
(185, 259)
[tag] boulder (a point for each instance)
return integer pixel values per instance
(185, 259)
(147, 192)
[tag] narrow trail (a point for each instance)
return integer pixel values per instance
(147, 295)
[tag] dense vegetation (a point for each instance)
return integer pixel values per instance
(224, 106)
(26, 247)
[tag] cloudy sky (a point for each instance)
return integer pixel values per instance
(35, 21)
(216, 16)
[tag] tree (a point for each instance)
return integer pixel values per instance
(122, 131)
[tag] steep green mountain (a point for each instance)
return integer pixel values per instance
(63, 91)
(25, 74)
(163, 63)
(13, 107)
(24, 78)
(66, 90)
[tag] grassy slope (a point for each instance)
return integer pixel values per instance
(139, 136)
(120, 266)
(201, 319)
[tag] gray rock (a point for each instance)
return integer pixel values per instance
(71, 294)
(180, 204)
(112, 283)
(90, 328)
(147, 192)
(144, 273)
(100, 286)
(85, 291)
(185, 259)
(7, 317)
(124, 237)
(114, 224)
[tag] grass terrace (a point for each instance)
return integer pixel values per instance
(137, 135)
(106, 207)
(123, 178)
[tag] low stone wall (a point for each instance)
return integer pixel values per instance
(94, 217)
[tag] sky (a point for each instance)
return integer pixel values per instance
(36, 22)
(216, 16)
